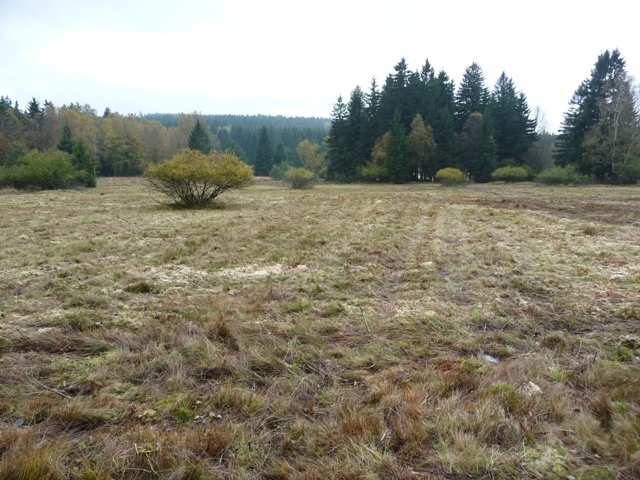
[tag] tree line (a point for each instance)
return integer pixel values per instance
(124, 145)
(269, 161)
(418, 122)
(260, 140)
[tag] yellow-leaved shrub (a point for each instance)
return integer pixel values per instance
(194, 179)
(300, 178)
(450, 176)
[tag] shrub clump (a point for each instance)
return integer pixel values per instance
(373, 172)
(562, 176)
(279, 171)
(511, 174)
(450, 176)
(42, 170)
(193, 179)
(300, 178)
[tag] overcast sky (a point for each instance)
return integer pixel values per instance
(295, 57)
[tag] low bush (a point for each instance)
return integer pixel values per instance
(562, 176)
(42, 170)
(300, 178)
(279, 171)
(193, 179)
(511, 174)
(372, 172)
(450, 176)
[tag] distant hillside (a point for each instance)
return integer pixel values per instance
(240, 132)
(247, 121)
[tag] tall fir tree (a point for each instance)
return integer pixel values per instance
(442, 118)
(338, 142)
(611, 148)
(280, 154)
(35, 117)
(34, 112)
(584, 111)
(472, 95)
(428, 92)
(396, 159)
(356, 134)
(372, 112)
(513, 129)
(396, 97)
(264, 153)
(414, 98)
(528, 132)
(199, 139)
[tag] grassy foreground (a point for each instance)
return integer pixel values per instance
(346, 332)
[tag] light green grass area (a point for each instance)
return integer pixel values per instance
(344, 332)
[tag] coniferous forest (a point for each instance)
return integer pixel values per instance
(419, 121)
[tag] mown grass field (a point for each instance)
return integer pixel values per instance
(344, 332)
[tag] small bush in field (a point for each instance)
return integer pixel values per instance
(279, 171)
(42, 170)
(300, 178)
(562, 176)
(372, 172)
(193, 179)
(450, 176)
(511, 174)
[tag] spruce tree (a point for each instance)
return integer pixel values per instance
(442, 118)
(472, 95)
(338, 142)
(264, 153)
(33, 133)
(427, 72)
(584, 110)
(34, 112)
(513, 129)
(280, 154)
(396, 96)
(396, 159)
(528, 131)
(372, 112)
(414, 98)
(66, 141)
(356, 135)
(199, 139)
(428, 92)
(613, 143)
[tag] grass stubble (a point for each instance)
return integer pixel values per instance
(348, 332)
